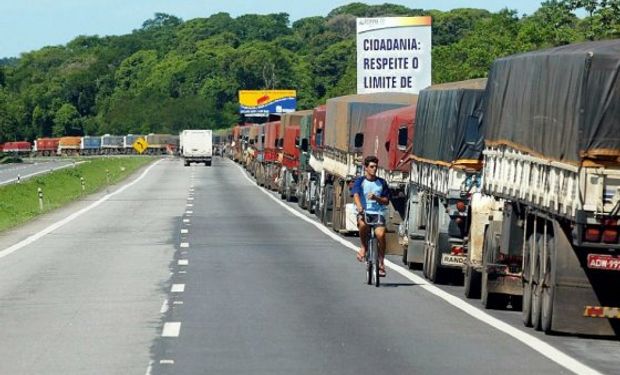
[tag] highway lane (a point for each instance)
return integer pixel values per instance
(9, 172)
(86, 298)
(250, 287)
(263, 292)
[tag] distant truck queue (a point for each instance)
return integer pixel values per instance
(509, 185)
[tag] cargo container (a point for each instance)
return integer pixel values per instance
(46, 146)
(289, 175)
(270, 165)
(69, 145)
(90, 145)
(17, 148)
(162, 144)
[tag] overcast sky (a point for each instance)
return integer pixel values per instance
(27, 25)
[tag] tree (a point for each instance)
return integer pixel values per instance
(67, 121)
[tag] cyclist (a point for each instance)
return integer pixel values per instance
(371, 195)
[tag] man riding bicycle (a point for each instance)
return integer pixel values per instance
(371, 195)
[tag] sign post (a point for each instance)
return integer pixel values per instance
(393, 54)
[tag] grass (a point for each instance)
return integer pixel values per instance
(19, 203)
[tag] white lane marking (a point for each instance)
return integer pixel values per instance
(177, 302)
(177, 288)
(164, 307)
(183, 231)
(184, 244)
(54, 169)
(166, 362)
(190, 198)
(149, 368)
(189, 212)
(183, 262)
(11, 249)
(171, 329)
(189, 205)
(183, 272)
(186, 220)
(533, 342)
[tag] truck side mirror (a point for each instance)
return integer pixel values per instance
(403, 136)
(359, 140)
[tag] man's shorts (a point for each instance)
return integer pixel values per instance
(360, 216)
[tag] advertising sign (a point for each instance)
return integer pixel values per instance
(393, 54)
(265, 102)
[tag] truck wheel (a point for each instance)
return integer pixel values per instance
(489, 253)
(548, 287)
(186, 164)
(536, 286)
(528, 252)
(472, 283)
(207, 163)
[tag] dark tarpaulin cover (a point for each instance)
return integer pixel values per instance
(561, 103)
(442, 116)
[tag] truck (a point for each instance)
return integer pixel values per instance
(46, 146)
(90, 145)
(443, 179)
(389, 136)
(305, 191)
(552, 175)
(196, 146)
(342, 151)
(290, 126)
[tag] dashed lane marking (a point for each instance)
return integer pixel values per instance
(177, 288)
(184, 244)
(183, 262)
(186, 220)
(184, 231)
(171, 329)
(166, 362)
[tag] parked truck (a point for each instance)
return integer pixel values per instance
(552, 173)
(342, 151)
(289, 171)
(197, 146)
(444, 177)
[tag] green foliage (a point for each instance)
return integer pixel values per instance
(172, 74)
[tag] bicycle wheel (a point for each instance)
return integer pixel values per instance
(377, 279)
(369, 263)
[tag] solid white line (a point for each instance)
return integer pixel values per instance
(41, 172)
(73, 216)
(533, 342)
(183, 262)
(164, 307)
(149, 368)
(183, 231)
(177, 288)
(171, 329)
(184, 244)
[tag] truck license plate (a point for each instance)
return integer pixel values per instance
(603, 262)
(452, 260)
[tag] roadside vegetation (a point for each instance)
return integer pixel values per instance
(172, 74)
(19, 203)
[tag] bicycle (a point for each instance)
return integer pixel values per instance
(372, 253)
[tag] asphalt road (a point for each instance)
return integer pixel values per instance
(9, 172)
(163, 278)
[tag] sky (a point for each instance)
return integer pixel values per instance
(27, 25)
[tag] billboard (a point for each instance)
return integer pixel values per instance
(265, 102)
(393, 54)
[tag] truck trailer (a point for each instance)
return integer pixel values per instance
(552, 172)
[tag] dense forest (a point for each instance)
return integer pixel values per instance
(172, 74)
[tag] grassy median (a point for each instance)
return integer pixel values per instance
(20, 202)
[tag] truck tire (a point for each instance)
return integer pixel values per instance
(548, 286)
(472, 283)
(489, 256)
(536, 286)
(186, 164)
(528, 268)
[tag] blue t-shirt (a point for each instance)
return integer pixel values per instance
(363, 187)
